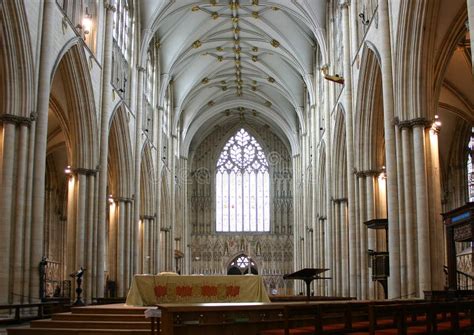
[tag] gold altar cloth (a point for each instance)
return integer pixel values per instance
(149, 290)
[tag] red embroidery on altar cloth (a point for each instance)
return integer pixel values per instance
(160, 291)
(184, 291)
(208, 291)
(232, 291)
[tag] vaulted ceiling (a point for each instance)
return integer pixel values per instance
(228, 58)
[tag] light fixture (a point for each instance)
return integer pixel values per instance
(383, 173)
(86, 25)
(111, 199)
(437, 121)
(68, 170)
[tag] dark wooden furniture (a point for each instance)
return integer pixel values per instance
(44, 309)
(459, 225)
(380, 259)
(337, 317)
(220, 318)
(307, 275)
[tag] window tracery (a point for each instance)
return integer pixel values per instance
(242, 186)
(121, 49)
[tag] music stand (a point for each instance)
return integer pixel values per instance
(307, 275)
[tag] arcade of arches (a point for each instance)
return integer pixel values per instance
(228, 136)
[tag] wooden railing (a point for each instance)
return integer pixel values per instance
(43, 310)
(464, 280)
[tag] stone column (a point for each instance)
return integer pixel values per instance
(337, 245)
(350, 151)
(138, 161)
(364, 265)
(411, 235)
(354, 20)
(372, 237)
(20, 237)
(41, 134)
(344, 249)
(394, 285)
(6, 204)
(401, 210)
(437, 239)
(121, 247)
(128, 244)
(28, 212)
(90, 247)
(422, 215)
(104, 147)
(80, 221)
(329, 217)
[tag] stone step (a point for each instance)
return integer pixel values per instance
(90, 324)
(99, 317)
(69, 331)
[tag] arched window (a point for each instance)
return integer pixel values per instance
(240, 266)
(242, 186)
(470, 167)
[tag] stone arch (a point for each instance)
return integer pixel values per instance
(369, 130)
(79, 118)
(16, 82)
(71, 160)
(147, 180)
(340, 155)
(120, 160)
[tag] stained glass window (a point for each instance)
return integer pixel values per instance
(470, 167)
(242, 186)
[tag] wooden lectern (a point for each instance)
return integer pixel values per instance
(308, 275)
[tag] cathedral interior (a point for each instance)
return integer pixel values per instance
(232, 137)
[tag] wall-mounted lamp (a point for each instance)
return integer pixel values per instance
(68, 170)
(86, 26)
(111, 199)
(383, 173)
(437, 122)
(335, 78)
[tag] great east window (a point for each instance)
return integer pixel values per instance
(242, 186)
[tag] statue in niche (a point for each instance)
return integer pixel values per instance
(242, 244)
(226, 249)
(258, 249)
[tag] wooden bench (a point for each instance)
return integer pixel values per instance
(328, 317)
(421, 318)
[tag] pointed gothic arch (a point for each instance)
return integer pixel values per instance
(16, 82)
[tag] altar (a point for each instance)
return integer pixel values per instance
(150, 290)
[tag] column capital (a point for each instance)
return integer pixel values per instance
(344, 4)
(84, 171)
(147, 217)
(141, 69)
(109, 7)
(15, 119)
(340, 200)
(367, 173)
(416, 122)
(123, 199)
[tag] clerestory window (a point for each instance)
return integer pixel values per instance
(242, 186)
